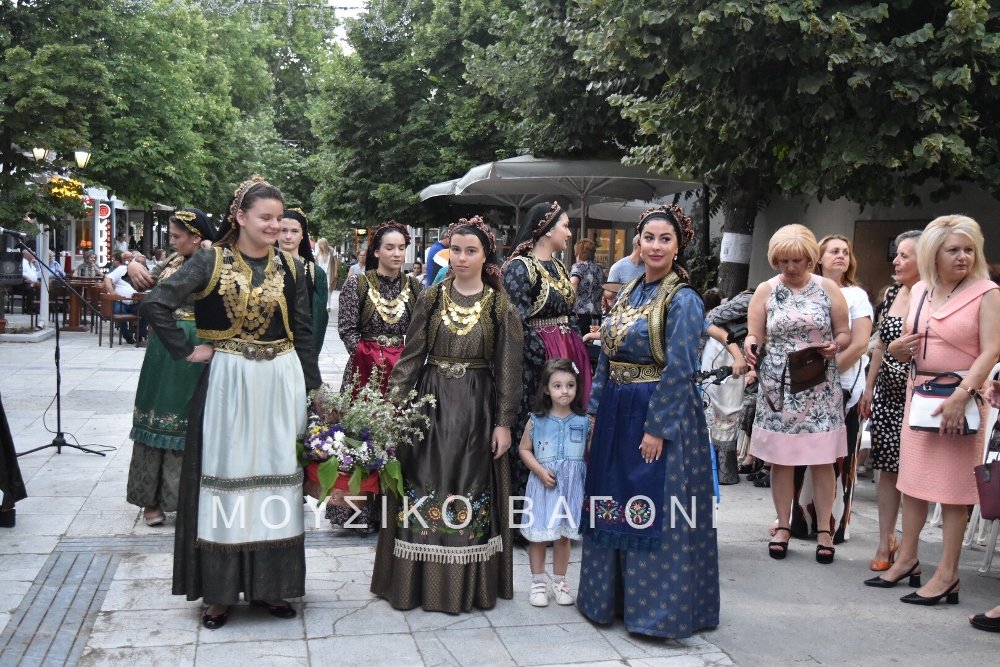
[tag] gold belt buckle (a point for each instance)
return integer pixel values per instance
(453, 370)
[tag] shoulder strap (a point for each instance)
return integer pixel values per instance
(920, 307)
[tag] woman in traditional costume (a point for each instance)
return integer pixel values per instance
(160, 418)
(541, 289)
(447, 544)
(294, 239)
(239, 521)
(374, 313)
(650, 452)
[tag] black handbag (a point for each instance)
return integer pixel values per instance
(988, 485)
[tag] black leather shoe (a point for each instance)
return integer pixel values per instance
(879, 582)
(215, 621)
(984, 622)
(8, 518)
(285, 610)
(950, 596)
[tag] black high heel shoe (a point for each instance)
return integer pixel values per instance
(950, 595)
(778, 550)
(824, 554)
(879, 582)
(277, 610)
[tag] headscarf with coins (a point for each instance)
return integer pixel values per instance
(540, 219)
(194, 221)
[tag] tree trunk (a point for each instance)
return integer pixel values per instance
(742, 197)
(147, 232)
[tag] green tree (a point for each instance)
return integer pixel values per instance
(396, 114)
(862, 100)
(552, 109)
(53, 86)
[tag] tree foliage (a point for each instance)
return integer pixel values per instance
(863, 100)
(396, 114)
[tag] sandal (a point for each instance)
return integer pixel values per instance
(824, 554)
(285, 610)
(778, 550)
(883, 565)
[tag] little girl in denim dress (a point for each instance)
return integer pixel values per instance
(553, 447)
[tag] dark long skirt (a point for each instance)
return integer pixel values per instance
(437, 567)
(218, 577)
(10, 473)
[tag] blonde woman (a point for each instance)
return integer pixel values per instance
(792, 311)
(951, 326)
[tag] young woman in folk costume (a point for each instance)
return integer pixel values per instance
(239, 521)
(294, 239)
(540, 288)
(453, 551)
(160, 418)
(375, 309)
(650, 449)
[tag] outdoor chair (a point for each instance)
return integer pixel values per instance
(109, 315)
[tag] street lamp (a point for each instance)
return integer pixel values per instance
(39, 153)
(82, 156)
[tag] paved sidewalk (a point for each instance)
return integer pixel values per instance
(84, 581)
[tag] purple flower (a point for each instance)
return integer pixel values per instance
(347, 460)
(365, 435)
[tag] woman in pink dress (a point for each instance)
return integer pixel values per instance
(951, 326)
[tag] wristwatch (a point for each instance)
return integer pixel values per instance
(973, 392)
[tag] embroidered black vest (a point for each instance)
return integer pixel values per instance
(210, 311)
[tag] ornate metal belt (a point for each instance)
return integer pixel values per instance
(624, 373)
(254, 351)
(455, 368)
(385, 340)
(546, 322)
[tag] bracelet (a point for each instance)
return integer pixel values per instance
(972, 391)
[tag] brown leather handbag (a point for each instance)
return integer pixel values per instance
(988, 484)
(806, 369)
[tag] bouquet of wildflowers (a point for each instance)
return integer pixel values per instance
(357, 435)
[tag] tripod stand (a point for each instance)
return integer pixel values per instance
(60, 440)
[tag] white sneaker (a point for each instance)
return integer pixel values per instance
(539, 595)
(562, 594)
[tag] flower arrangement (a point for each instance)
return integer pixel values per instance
(357, 436)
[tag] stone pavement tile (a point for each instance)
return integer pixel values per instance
(247, 624)
(518, 612)
(599, 663)
(57, 479)
(145, 566)
(28, 544)
(20, 567)
(11, 594)
(272, 654)
(154, 656)
(54, 523)
(97, 504)
(702, 660)
(552, 644)
(138, 629)
(633, 646)
(480, 646)
(4, 619)
(426, 621)
(37, 504)
(374, 617)
(136, 594)
(104, 523)
(433, 651)
(389, 650)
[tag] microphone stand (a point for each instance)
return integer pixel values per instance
(60, 440)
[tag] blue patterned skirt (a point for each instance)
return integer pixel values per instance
(672, 589)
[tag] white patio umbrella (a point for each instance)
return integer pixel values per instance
(519, 202)
(584, 181)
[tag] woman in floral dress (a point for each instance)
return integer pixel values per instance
(447, 546)
(794, 310)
